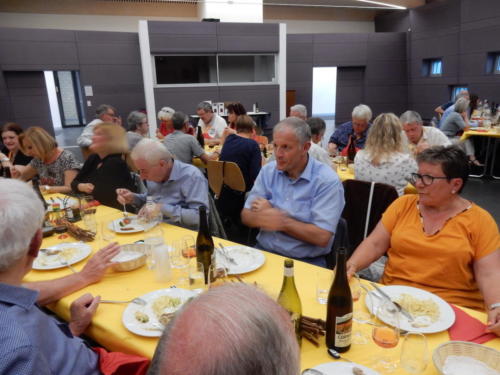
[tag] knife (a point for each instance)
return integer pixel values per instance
(397, 305)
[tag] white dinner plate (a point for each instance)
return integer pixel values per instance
(343, 368)
(153, 327)
(247, 259)
(70, 253)
(446, 313)
(135, 226)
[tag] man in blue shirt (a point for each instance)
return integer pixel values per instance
(296, 201)
(357, 129)
(177, 188)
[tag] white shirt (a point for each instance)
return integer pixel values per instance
(430, 135)
(218, 125)
(320, 154)
(85, 139)
(393, 172)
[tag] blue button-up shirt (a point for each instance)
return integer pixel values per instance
(180, 196)
(34, 343)
(315, 197)
(342, 133)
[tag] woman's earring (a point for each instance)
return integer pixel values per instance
(453, 192)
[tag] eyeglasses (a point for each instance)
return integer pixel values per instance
(425, 178)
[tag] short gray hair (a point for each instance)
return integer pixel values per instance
(461, 105)
(21, 215)
(301, 108)
(151, 150)
(317, 125)
(205, 106)
(462, 94)
(135, 119)
(300, 128)
(104, 108)
(165, 113)
(362, 112)
(411, 117)
(254, 336)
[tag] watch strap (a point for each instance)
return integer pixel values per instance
(494, 305)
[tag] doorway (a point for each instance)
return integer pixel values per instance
(324, 96)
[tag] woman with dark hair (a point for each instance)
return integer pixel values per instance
(437, 240)
(234, 110)
(138, 128)
(10, 153)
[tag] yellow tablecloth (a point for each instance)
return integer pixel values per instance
(346, 174)
(479, 132)
(108, 330)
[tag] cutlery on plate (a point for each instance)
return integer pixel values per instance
(125, 213)
(137, 300)
(397, 305)
(65, 263)
(226, 255)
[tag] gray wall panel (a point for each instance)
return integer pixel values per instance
(299, 72)
(37, 55)
(183, 44)
(479, 10)
(109, 53)
(249, 43)
(36, 35)
(393, 22)
(299, 52)
(338, 53)
(184, 99)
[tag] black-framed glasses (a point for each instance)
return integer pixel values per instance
(425, 178)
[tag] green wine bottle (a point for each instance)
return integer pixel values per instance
(204, 244)
(289, 298)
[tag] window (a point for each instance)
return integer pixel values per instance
(246, 68)
(497, 64)
(432, 67)
(493, 63)
(455, 90)
(186, 69)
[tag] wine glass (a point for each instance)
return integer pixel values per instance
(414, 353)
(218, 275)
(189, 250)
(359, 313)
(385, 334)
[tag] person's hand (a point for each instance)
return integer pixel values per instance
(272, 219)
(117, 120)
(332, 149)
(124, 196)
(422, 146)
(351, 269)
(260, 204)
(149, 213)
(493, 324)
(82, 310)
(86, 188)
(228, 131)
(15, 173)
(96, 267)
(159, 135)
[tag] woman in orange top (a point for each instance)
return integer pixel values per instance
(437, 240)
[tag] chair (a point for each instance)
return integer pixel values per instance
(222, 173)
(341, 239)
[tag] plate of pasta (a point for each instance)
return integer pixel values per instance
(150, 320)
(61, 255)
(431, 313)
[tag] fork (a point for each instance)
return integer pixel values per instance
(136, 300)
(65, 263)
(226, 255)
(125, 213)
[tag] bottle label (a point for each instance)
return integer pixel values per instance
(288, 272)
(343, 326)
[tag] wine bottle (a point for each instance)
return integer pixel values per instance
(36, 186)
(339, 308)
(199, 136)
(351, 149)
(204, 244)
(289, 298)
(6, 172)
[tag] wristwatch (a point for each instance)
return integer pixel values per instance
(494, 306)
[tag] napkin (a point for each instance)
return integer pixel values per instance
(467, 328)
(116, 363)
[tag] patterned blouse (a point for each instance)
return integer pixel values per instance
(53, 173)
(393, 171)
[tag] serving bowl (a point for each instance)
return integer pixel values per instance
(130, 257)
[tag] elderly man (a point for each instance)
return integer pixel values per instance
(32, 341)
(356, 130)
(299, 110)
(103, 113)
(418, 137)
(318, 128)
(212, 125)
(184, 146)
(253, 336)
(177, 188)
(296, 201)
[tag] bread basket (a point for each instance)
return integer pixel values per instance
(489, 356)
(130, 257)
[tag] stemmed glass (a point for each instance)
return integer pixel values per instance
(385, 334)
(359, 314)
(414, 353)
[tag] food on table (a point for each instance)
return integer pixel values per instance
(126, 229)
(162, 303)
(165, 318)
(425, 311)
(124, 222)
(125, 256)
(189, 252)
(141, 316)
(77, 232)
(357, 371)
(50, 257)
(463, 365)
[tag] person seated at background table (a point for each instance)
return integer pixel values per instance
(356, 130)
(183, 146)
(296, 201)
(32, 341)
(441, 109)
(299, 111)
(10, 154)
(254, 336)
(177, 188)
(138, 128)
(437, 240)
(55, 166)
(455, 124)
(234, 110)
(166, 127)
(417, 137)
(318, 128)
(103, 113)
(449, 110)
(243, 150)
(106, 169)
(383, 159)
(212, 125)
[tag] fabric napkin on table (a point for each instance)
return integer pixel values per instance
(467, 328)
(116, 363)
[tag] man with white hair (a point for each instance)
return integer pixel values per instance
(32, 341)
(296, 201)
(254, 336)
(418, 137)
(177, 188)
(357, 129)
(299, 110)
(450, 109)
(103, 113)
(211, 124)
(166, 126)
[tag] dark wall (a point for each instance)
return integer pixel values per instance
(380, 79)
(108, 61)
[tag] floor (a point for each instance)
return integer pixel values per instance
(67, 136)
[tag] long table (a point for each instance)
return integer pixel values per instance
(346, 174)
(108, 330)
(492, 136)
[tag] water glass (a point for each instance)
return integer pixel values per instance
(359, 313)
(218, 275)
(323, 283)
(152, 238)
(90, 221)
(414, 353)
(107, 234)
(197, 277)
(161, 259)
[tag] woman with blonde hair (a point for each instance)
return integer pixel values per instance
(106, 169)
(55, 166)
(382, 159)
